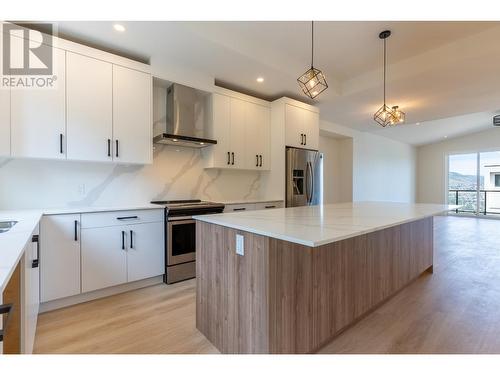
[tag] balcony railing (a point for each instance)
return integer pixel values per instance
(468, 200)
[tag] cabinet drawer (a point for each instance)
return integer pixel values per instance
(113, 218)
(268, 205)
(239, 207)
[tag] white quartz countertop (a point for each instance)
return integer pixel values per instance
(87, 209)
(12, 243)
(318, 225)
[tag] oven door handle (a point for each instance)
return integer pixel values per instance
(179, 218)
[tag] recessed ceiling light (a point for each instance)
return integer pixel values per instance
(119, 27)
(260, 79)
(446, 136)
(418, 123)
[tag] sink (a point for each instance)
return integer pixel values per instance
(5, 226)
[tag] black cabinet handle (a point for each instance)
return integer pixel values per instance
(228, 158)
(270, 206)
(61, 144)
(36, 262)
(127, 217)
(5, 309)
(305, 139)
(257, 157)
(232, 155)
(239, 209)
(131, 239)
(76, 230)
(117, 154)
(123, 240)
(109, 148)
(260, 156)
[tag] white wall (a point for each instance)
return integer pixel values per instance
(337, 169)
(432, 162)
(382, 169)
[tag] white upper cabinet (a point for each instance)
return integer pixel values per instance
(4, 122)
(132, 125)
(294, 121)
(38, 117)
(258, 137)
(311, 129)
(238, 141)
(89, 108)
(242, 131)
(301, 127)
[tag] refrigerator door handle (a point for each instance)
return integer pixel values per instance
(308, 177)
(311, 174)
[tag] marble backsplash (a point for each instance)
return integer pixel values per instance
(176, 173)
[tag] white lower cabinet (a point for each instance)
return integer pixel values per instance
(59, 256)
(85, 252)
(146, 255)
(31, 293)
(104, 257)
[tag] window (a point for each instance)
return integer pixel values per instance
(474, 182)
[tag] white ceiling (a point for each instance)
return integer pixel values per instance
(436, 69)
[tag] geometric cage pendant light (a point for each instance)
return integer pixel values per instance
(386, 116)
(313, 81)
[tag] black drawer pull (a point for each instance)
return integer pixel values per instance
(270, 206)
(117, 154)
(257, 157)
(127, 217)
(228, 158)
(260, 156)
(5, 309)
(61, 144)
(305, 139)
(76, 230)
(123, 240)
(109, 148)
(36, 262)
(239, 209)
(131, 239)
(232, 155)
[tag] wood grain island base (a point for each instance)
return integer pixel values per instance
(283, 297)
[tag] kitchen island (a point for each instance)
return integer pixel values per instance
(289, 280)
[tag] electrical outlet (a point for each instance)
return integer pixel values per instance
(240, 244)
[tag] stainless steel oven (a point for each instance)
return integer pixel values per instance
(180, 236)
(181, 240)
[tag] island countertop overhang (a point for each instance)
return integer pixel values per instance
(323, 224)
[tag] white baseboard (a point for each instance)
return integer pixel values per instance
(96, 294)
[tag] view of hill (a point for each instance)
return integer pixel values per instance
(463, 181)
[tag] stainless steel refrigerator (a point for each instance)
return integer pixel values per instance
(304, 177)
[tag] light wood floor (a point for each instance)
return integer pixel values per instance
(454, 310)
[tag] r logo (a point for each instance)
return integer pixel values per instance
(26, 52)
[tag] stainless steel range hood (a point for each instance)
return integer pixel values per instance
(185, 119)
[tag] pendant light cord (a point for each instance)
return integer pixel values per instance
(384, 68)
(312, 44)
